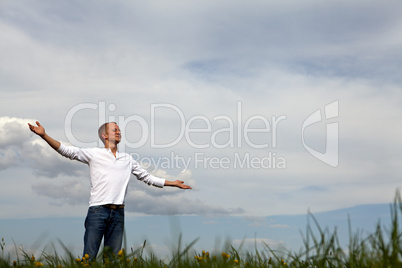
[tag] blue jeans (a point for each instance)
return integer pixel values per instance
(102, 222)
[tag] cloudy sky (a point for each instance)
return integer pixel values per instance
(220, 94)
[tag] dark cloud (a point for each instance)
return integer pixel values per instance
(157, 202)
(276, 30)
(48, 163)
(72, 192)
(8, 158)
(143, 202)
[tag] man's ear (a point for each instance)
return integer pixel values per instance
(104, 136)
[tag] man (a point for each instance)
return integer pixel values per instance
(109, 177)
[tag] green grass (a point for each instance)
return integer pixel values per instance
(382, 248)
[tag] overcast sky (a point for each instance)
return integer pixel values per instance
(224, 86)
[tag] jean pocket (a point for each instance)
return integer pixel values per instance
(94, 208)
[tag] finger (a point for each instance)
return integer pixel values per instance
(37, 122)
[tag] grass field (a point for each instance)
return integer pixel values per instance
(382, 248)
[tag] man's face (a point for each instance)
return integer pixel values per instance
(113, 133)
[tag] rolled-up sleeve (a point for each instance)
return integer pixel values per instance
(144, 176)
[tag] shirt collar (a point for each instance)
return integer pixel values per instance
(109, 150)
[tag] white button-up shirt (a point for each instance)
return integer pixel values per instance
(109, 175)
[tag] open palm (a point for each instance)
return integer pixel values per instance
(38, 130)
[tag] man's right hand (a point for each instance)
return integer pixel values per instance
(39, 130)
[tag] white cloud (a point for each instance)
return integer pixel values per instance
(13, 131)
(19, 147)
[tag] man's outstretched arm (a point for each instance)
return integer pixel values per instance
(177, 183)
(40, 131)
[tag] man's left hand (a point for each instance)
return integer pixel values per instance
(178, 184)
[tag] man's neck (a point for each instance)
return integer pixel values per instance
(112, 147)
